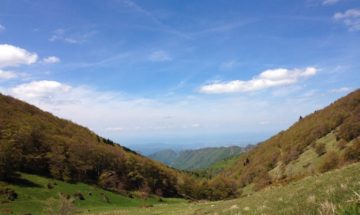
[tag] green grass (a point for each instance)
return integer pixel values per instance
(307, 196)
(32, 198)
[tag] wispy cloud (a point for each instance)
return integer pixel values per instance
(63, 35)
(7, 74)
(2, 28)
(228, 64)
(51, 60)
(163, 27)
(224, 27)
(351, 18)
(159, 56)
(266, 79)
(341, 90)
(330, 2)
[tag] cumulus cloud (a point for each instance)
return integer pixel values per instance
(51, 60)
(351, 18)
(39, 90)
(7, 74)
(13, 56)
(330, 2)
(266, 79)
(159, 56)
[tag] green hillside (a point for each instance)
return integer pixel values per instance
(36, 195)
(36, 142)
(166, 156)
(333, 193)
(195, 159)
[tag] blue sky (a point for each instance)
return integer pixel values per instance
(180, 72)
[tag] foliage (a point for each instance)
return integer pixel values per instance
(320, 149)
(37, 142)
(330, 161)
(61, 206)
(352, 153)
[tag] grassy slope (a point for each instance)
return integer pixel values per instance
(32, 197)
(305, 196)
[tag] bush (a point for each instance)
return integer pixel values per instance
(320, 149)
(350, 130)
(352, 153)
(9, 194)
(341, 144)
(330, 161)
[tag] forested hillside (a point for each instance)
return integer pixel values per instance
(197, 158)
(321, 141)
(37, 142)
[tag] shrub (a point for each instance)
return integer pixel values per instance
(350, 130)
(262, 182)
(341, 144)
(330, 162)
(61, 206)
(352, 153)
(320, 149)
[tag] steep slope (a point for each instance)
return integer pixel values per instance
(37, 142)
(323, 140)
(197, 158)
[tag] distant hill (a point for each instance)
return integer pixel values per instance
(166, 156)
(197, 158)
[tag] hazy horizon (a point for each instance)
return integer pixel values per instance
(182, 73)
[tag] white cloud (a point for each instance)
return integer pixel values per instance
(51, 60)
(7, 74)
(39, 90)
(2, 28)
(266, 79)
(330, 2)
(351, 18)
(341, 90)
(14, 56)
(159, 56)
(120, 117)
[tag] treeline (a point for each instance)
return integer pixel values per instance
(37, 142)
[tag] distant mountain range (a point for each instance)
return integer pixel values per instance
(197, 158)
